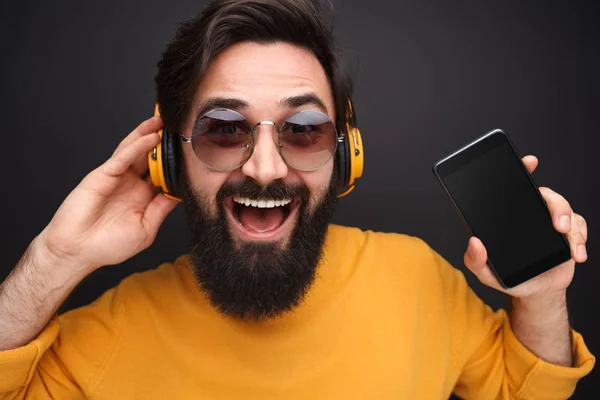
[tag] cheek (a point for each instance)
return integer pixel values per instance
(203, 180)
(317, 182)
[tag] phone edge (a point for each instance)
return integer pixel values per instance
(455, 206)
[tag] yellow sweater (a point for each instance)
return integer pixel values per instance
(387, 318)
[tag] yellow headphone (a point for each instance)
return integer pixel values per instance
(164, 168)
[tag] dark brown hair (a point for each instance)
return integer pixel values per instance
(227, 22)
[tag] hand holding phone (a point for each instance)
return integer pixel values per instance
(501, 205)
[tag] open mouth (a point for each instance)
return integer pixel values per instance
(262, 219)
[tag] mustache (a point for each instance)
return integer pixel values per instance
(250, 188)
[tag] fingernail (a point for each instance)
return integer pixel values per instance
(565, 222)
(581, 253)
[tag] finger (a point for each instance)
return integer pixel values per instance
(150, 125)
(559, 208)
(155, 189)
(576, 241)
(476, 254)
(155, 214)
(582, 226)
(476, 261)
(531, 162)
(141, 164)
(122, 160)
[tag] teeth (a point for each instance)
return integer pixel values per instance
(261, 203)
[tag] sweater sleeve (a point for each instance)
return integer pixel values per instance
(67, 358)
(493, 363)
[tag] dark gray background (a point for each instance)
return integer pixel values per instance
(78, 76)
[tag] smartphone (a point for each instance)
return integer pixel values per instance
(500, 204)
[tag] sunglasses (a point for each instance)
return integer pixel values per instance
(224, 140)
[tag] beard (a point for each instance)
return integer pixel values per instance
(256, 280)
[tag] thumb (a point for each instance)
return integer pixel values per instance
(156, 212)
(475, 256)
(476, 261)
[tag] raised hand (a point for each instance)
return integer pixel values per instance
(114, 213)
(557, 279)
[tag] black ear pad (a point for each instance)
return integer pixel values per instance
(171, 168)
(342, 159)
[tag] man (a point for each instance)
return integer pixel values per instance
(272, 302)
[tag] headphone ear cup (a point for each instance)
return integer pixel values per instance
(171, 168)
(342, 159)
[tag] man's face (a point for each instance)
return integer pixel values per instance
(258, 262)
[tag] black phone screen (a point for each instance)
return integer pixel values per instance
(502, 206)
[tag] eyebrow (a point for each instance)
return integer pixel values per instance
(220, 102)
(238, 104)
(302, 100)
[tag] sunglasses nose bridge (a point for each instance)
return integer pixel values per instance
(266, 123)
(275, 131)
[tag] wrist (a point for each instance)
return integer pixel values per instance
(542, 302)
(545, 314)
(541, 324)
(56, 269)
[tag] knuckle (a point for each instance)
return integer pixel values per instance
(581, 224)
(108, 168)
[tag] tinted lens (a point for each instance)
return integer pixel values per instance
(307, 140)
(222, 139)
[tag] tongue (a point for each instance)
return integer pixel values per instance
(261, 219)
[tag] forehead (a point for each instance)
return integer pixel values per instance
(262, 74)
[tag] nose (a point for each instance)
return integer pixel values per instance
(266, 164)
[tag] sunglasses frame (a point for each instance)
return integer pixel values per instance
(339, 139)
